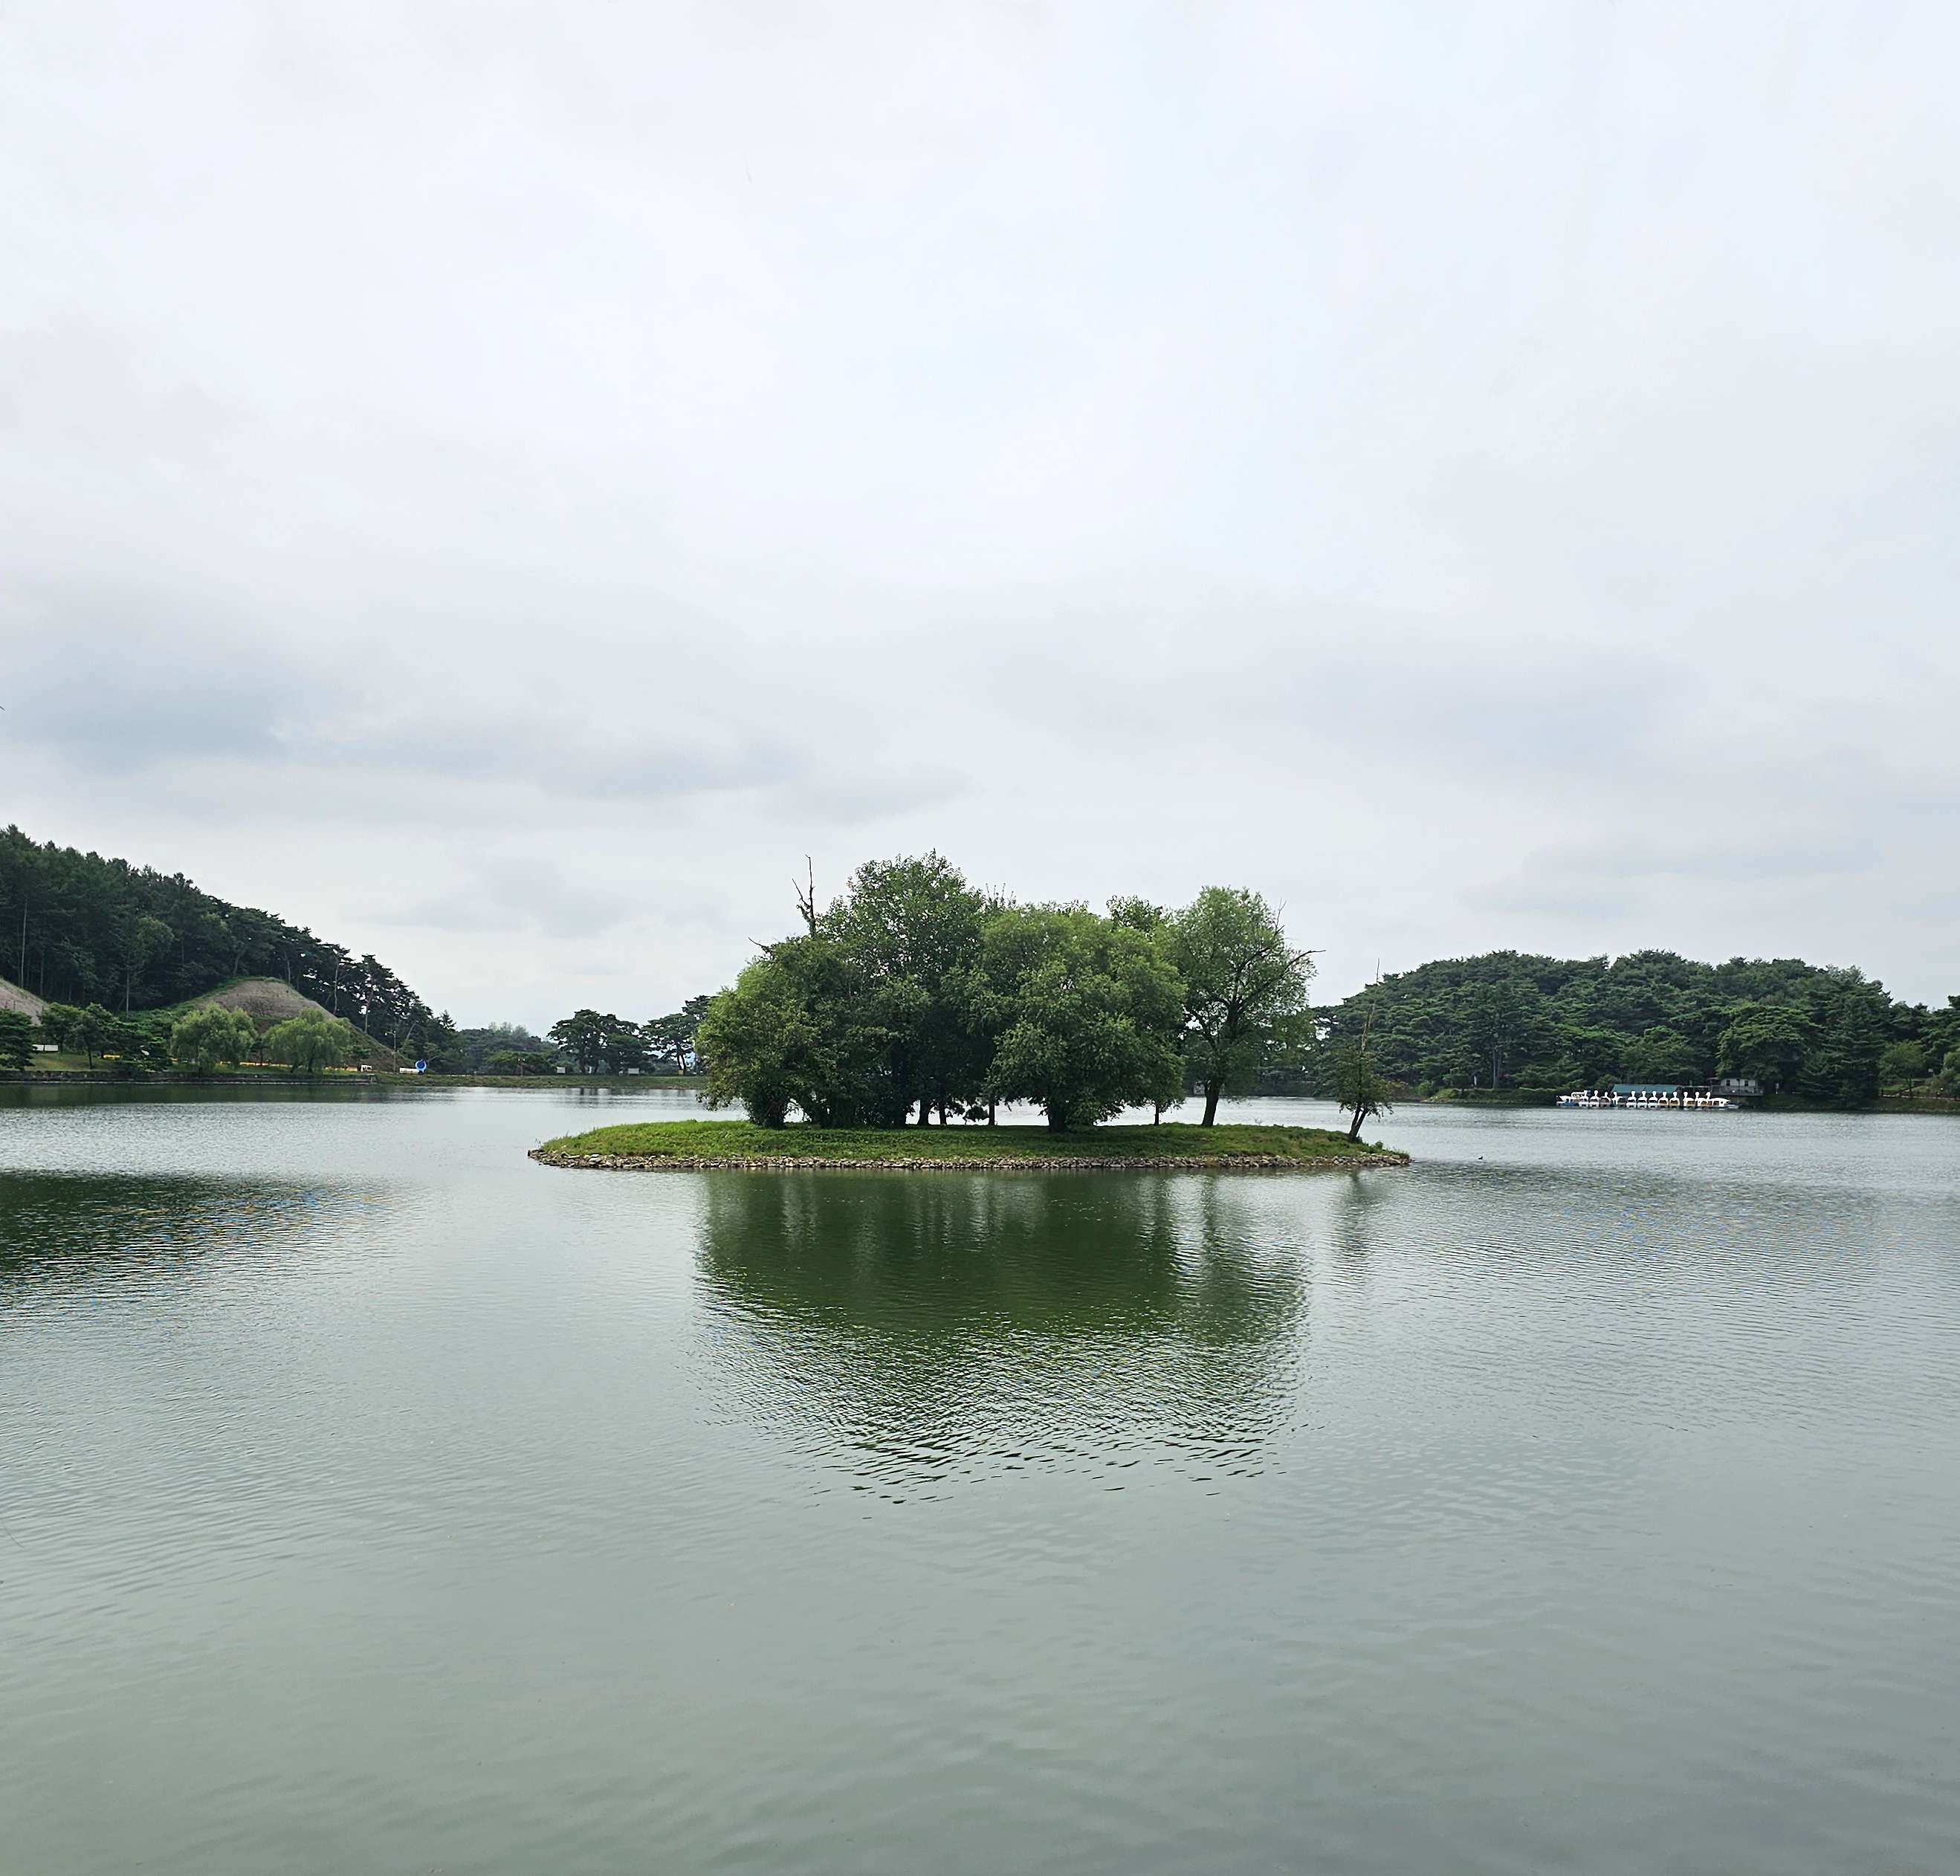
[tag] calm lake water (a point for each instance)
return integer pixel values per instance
(1584, 1498)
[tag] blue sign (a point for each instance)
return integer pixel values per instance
(421, 1068)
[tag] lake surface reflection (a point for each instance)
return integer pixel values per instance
(1583, 1498)
(917, 1327)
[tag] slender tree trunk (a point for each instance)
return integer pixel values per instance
(990, 1113)
(1354, 1130)
(1213, 1089)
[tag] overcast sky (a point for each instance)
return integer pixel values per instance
(500, 484)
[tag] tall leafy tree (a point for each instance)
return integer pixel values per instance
(625, 1045)
(1089, 1017)
(91, 1030)
(1850, 1013)
(794, 1032)
(911, 929)
(1155, 922)
(309, 1042)
(205, 1036)
(672, 1037)
(582, 1036)
(1242, 979)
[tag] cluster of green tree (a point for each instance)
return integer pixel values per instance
(595, 1043)
(914, 992)
(92, 1031)
(202, 1039)
(79, 929)
(505, 1048)
(1509, 1020)
(209, 1037)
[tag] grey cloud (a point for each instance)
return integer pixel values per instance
(1596, 878)
(515, 892)
(84, 681)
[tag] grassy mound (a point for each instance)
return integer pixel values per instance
(264, 999)
(690, 1145)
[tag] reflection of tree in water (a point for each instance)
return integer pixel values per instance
(1355, 1220)
(930, 1324)
(65, 1227)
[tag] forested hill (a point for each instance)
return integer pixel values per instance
(75, 928)
(1510, 1020)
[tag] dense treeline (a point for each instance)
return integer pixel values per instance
(1510, 1020)
(79, 930)
(591, 1041)
(913, 991)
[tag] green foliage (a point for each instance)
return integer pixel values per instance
(58, 1022)
(309, 1042)
(104, 932)
(1937, 1030)
(140, 1040)
(519, 1062)
(17, 1039)
(597, 1042)
(205, 1036)
(871, 1013)
(1661, 1052)
(1506, 1019)
(1242, 981)
(1767, 1043)
(802, 1027)
(670, 1039)
(743, 1140)
(910, 933)
(1851, 1015)
(1089, 1020)
(914, 991)
(582, 1036)
(90, 1031)
(1588, 1057)
(1949, 1073)
(476, 1048)
(1360, 1087)
(1901, 1065)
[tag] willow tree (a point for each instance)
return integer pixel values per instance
(310, 1041)
(1243, 984)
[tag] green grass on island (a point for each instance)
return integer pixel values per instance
(698, 1143)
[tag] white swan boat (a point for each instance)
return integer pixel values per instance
(1637, 1094)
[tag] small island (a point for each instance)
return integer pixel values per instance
(913, 994)
(703, 1146)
